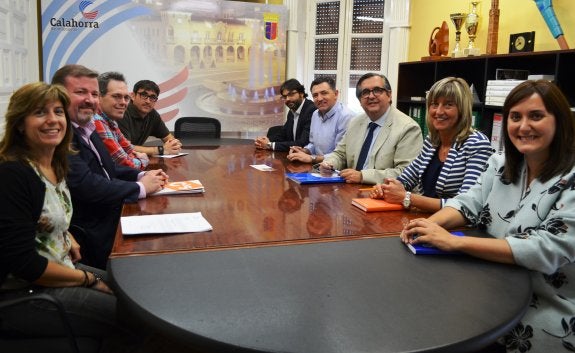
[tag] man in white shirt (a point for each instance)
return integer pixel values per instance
(328, 123)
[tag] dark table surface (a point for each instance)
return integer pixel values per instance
(364, 295)
(297, 268)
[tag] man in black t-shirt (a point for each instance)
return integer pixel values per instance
(141, 121)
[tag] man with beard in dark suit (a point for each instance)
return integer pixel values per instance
(295, 131)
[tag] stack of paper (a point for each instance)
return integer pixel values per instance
(497, 91)
(182, 187)
(165, 223)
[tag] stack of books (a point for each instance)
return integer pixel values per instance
(497, 91)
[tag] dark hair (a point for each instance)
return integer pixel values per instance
(562, 148)
(369, 75)
(293, 85)
(72, 70)
(106, 77)
(147, 85)
(319, 80)
(457, 90)
(23, 102)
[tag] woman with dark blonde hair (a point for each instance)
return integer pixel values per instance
(37, 253)
(453, 154)
(526, 201)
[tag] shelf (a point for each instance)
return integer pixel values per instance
(415, 78)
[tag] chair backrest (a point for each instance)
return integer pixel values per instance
(275, 131)
(16, 341)
(198, 127)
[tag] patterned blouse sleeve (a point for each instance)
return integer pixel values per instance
(472, 202)
(550, 245)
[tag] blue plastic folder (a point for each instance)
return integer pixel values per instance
(314, 178)
(422, 249)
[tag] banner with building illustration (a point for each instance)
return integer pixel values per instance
(215, 58)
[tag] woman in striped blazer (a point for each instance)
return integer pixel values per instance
(453, 154)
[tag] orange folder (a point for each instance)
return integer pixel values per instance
(368, 204)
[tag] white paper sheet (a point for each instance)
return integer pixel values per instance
(262, 167)
(171, 155)
(165, 223)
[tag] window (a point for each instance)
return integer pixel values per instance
(349, 38)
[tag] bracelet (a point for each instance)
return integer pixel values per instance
(94, 282)
(86, 279)
(161, 150)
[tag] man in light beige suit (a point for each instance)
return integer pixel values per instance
(389, 139)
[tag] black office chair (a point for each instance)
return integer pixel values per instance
(274, 132)
(11, 341)
(197, 127)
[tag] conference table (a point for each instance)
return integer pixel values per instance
(298, 268)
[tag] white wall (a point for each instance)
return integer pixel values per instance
(19, 62)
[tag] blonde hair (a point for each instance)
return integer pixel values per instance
(14, 145)
(457, 90)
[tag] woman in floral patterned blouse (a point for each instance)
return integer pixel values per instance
(526, 201)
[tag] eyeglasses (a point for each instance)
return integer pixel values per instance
(291, 94)
(377, 91)
(144, 96)
(120, 97)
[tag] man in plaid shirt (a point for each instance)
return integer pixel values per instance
(114, 99)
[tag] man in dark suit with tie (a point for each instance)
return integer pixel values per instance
(295, 131)
(98, 186)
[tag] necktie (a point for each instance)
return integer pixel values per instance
(365, 147)
(86, 138)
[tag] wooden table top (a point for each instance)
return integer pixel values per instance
(247, 207)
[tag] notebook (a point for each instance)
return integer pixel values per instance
(423, 249)
(314, 178)
(368, 204)
(181, 187)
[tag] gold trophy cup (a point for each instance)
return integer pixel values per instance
(458, 19)
(471, 26)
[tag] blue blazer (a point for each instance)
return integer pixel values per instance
(97, 200)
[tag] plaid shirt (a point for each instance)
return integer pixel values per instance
(121, 150)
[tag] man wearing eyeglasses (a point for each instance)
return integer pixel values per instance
(295, 131)
(114, 99)
(98, 186)
(141, 120)
(378, 144)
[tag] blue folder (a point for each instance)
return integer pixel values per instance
(314, 178)
(423, 249)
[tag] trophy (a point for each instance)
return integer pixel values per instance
(471, 27)
(458, 19)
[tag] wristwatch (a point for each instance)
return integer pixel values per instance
(269, 145)
(313, 158)
(407, 200)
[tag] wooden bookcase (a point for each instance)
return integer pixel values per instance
(415, 78)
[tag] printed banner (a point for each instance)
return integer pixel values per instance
(221, 59)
